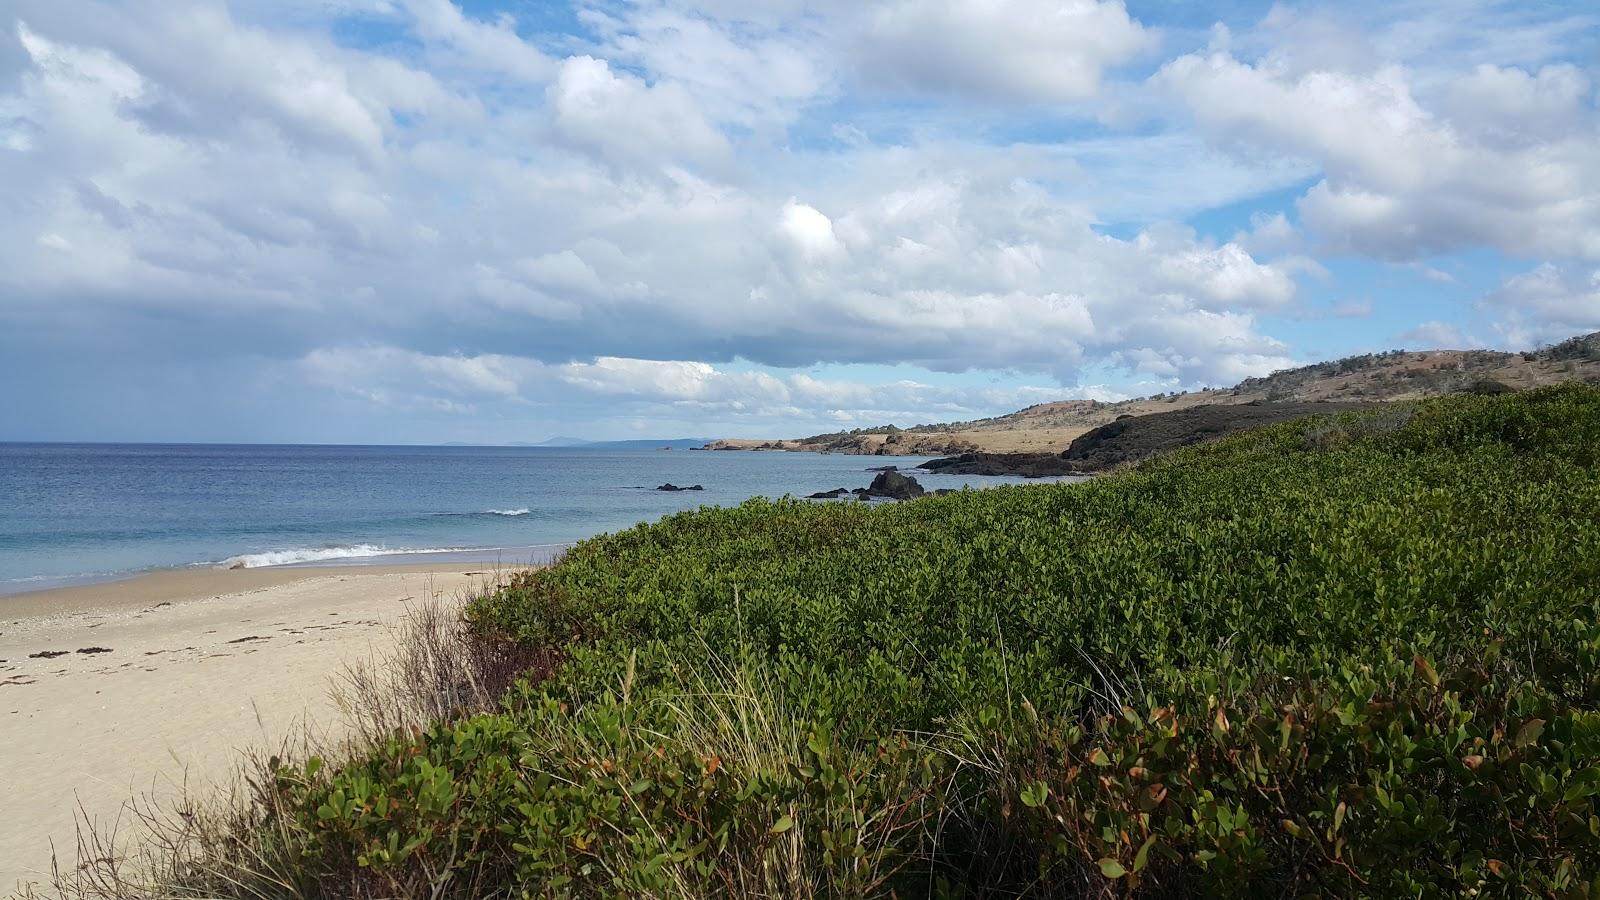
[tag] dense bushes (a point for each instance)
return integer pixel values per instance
(1357, 656)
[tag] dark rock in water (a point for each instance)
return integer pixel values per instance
(894, 486)
(669, 486)
(883, 468)
(828, 495)
(1028, 465)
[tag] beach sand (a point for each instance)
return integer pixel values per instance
(195, 666)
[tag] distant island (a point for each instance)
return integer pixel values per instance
(580, 443)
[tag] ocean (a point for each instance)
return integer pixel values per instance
(77, 513)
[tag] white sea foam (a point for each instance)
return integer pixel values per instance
(508, 512)
(320, 554)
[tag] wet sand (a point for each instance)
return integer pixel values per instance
(143, 686)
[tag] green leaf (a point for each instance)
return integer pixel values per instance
(1034, 795)
(1110, 868)
(783, 824)
(1141, 858)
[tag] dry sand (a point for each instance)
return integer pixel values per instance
(196, 665)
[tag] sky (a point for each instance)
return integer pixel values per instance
(425, 221)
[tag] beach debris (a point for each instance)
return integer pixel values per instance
(248, 637)
(48, 654)
(91, 650)
(669, 486)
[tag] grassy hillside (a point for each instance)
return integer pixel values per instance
(1371, 377)
(1356, 655)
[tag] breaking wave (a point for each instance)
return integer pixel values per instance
(320, 554)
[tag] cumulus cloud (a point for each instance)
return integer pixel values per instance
(638, 246)
(494, 46)
(754, 75)
(436, 210)
(1548, 304)
(1009, 50)
(395, 377)
(627, 121)
(1510, 163)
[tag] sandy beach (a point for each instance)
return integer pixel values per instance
(143, 686)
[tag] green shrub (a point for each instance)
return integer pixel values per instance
(1352, 656)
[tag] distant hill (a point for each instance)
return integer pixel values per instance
(1371, 377)
(647, 444)
(635, 444)
(580, 443)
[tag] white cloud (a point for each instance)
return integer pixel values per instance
(1516, 107)
(1227, 277)
(810, 231)
(386, 376)
(481, 45)
(1436, 335)
(752, 76)
(1402, 180)
(1008, 50)
(1548, 304)
(496, 218)
(626, 121)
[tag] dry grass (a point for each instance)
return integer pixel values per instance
(439, 669)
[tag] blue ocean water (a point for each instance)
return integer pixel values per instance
(71, 513)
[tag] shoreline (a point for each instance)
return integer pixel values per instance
(191, 584)
(199, 576)
(148, 687)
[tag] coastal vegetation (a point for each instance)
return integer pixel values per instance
(1352, 655)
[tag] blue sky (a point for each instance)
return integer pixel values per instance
(426, 221)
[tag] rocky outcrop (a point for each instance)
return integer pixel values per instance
(669, 486)
(834, 494)
(894, 486)
(1027, 465)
